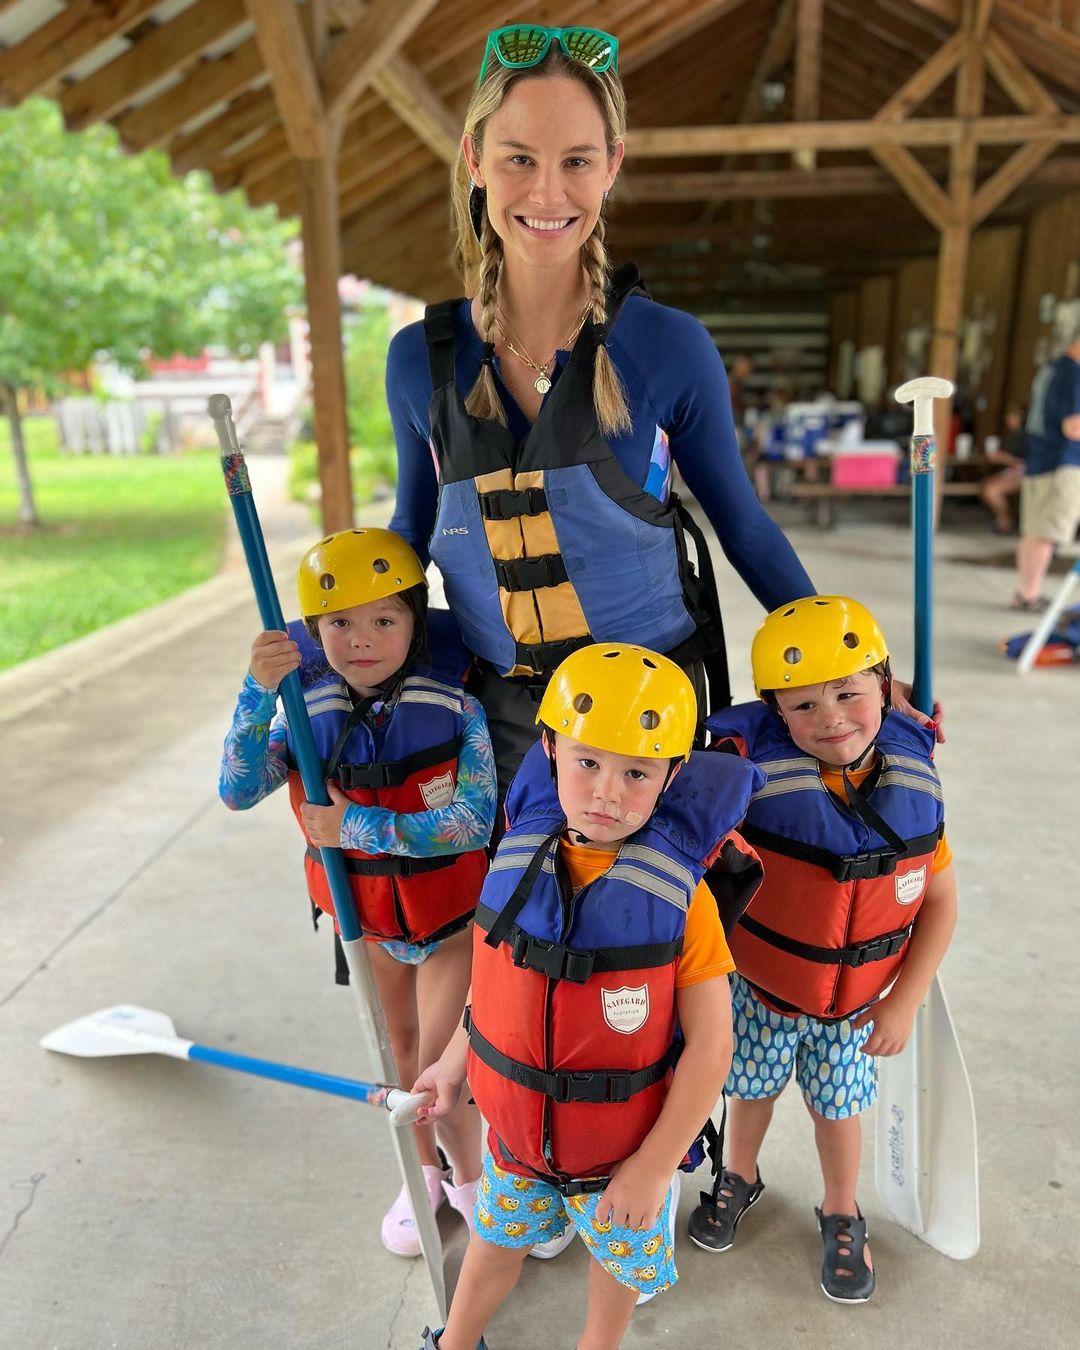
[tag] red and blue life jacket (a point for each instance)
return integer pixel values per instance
(828, 931)
(407, 763)
(572, 1032)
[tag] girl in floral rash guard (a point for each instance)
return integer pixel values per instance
(411, 777)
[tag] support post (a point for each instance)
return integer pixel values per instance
(322, 267)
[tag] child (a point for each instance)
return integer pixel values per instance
(594, 933)
(839, 946)
(410, 773)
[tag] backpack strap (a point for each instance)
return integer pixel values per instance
(439, 336)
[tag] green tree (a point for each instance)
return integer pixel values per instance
(102, 252)
(366, 341)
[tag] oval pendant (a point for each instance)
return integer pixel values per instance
(542, 384)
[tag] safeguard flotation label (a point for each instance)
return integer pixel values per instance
(439, 791)
(626, 1010)
(909, 885)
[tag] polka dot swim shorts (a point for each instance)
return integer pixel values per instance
(837, 1081)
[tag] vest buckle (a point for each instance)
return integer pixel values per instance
(878, 949)
(869, 866)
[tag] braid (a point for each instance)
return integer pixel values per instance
(484, 401)
(609, 397)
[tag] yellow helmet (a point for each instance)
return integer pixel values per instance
(819, 638)
(354, 567)
(623, 698)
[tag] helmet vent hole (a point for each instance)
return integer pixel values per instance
(822, 603)
(650, 720)
(380, 565)
(792, 656)
(646, 662)
(327, 581)
(359, 531)
(789, 612)
(329, 539)
(851, 640)
(583, 703)
(610, 656)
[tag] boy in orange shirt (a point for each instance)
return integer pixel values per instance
(597, 942)
(839, 946)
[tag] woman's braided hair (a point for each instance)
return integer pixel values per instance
(480, 261)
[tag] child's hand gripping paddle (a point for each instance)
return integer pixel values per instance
(926, 1153)
(310, 766)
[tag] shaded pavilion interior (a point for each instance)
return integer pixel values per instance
(780, 153)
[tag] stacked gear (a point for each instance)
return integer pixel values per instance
(546, 544)
(407, 763)
(828, 930)
(563, 984)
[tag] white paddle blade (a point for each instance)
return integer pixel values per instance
(926, 1166)
(121, 1030)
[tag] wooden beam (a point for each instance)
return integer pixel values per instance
(807, 97)
(1026, 90)
(924, 81)
(49, 52)
(322, 268)
(411, 96)
(1019, 166)
(748, 184)
(662, 30)
(922, 191)
(282, 44)
(209, 83)
(357, 57)
(169, 47)
(1029, 21)
(199, 149)
(979, 22)
(673, 142)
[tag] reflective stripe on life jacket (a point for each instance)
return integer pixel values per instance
(572, 1028)
(829, 928)
(407, 764)
(547, 544)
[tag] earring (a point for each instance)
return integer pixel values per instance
(477, 209)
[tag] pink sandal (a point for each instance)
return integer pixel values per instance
(398, 1230)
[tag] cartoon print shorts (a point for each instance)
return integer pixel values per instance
(836, 1079)
(513, 1211)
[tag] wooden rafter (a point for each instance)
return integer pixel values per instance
(1026, 90)
(924, 81)
(855, 180)
(660, 30)
(1017, 169)
(49, 52)
(283, 46)
(171, 47)
(208, 83)
(363, 51)
(807, 97)
(245, 115)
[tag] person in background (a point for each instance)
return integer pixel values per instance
(996, 492)
(1050, 493)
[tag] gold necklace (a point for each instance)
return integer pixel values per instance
(542, 383)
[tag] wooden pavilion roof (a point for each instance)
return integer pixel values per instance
(193, 77)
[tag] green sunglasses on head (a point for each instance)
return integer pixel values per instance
(521, 45)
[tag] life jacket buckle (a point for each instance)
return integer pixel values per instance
(551, 959)
(878, 949)
(869, 866)
(585, 1086)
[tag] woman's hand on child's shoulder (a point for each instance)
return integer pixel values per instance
(445, 1089)
(273, 656)
(635, 1194)
(893, 1019)
(901, 701)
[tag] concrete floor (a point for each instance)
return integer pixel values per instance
(150, 1205)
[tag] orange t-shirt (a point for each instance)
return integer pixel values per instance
(834, 781)
(705, 953)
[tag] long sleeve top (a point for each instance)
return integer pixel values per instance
(255, 762)
(681, 409)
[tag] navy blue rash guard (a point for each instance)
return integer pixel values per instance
(678, 395)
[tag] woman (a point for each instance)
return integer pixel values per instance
(555, 401)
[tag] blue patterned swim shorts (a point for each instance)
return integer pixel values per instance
(837, 1080)
(409, 953)
(513, 1211)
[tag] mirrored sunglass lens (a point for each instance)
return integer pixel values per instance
(522, 45)
(591, 48)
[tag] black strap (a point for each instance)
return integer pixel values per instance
(703, 601)
(542, 658)
(341, 966)
(513, 907)
(858, 954)
(558, 962)
(439, 335)
(388, 866)
(358, 716)
(867, 866)
(862, 807)
(395, 772)
(530, 574)
(568, 1085)
(507, 504)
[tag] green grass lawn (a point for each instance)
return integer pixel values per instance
(117, 534)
